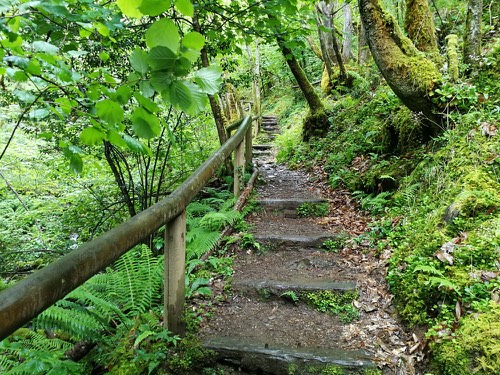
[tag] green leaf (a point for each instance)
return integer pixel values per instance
(163, 33)
(161, 79)
(185, 7)
(154, 7)
(92, 136)
(161, 58)
(146, 89)
(123, 94)
(115, 139)
(136, 145)
(193, 40)
(138, 60)
(38, 114)
(200, 99)
(144, 124)
(179, 95)
(76, 163)
(209, 79)
(129, 8)
(110, 111)
(41, 46)
(146, 103)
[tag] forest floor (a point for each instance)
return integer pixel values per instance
(268, 305)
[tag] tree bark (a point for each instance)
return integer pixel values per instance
(472, 34)
(311, 96)
(419, 25)
(347, 32)
(220, 119)
(363, 49)
(329, 44)
(410, 75)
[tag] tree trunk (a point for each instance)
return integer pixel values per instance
(316, 123)
(329, 45)
(410, 75)
(347, 32)
(220, 119)
(312, 98)
(472, 34)
(419, 25)
(363, 49)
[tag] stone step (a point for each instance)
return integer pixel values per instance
(289, 203)
(261, 152)
(286, 241)
(280, 360)
(262, 146)
(275, 289)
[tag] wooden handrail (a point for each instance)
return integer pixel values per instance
(29, 297)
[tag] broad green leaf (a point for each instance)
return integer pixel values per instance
(41, 46)
(109, 111)
(76, 163)
(104, 56)
(101, 29)
(161, 79)
(154, 7)
(115, 139)
(209, 79)
(123, 94)
(144, 124)
(200, 99)
(185, 7)
(179, 95)
(146, 103)
(193, 40)
(66, 105)
(163, 33)
(92, 136)
(20, 76)
(138, 60)
(182, 67)
(161, 58)
(34, 67)
(129, 8)
(136, 145)
(146, 89)
(39, 113)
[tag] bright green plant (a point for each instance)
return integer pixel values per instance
(336, 303)
(290, 295)
(312, 209)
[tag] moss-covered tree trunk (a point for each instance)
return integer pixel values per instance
(419, 25)
(472, 32)
(409, 74)
(316, 123)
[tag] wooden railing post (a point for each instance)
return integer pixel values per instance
(248, 147)
(175, 262)
(239, 166)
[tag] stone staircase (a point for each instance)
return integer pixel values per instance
(269, 325)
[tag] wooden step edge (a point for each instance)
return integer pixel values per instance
(274, 289)
(280, 360)
(289, 203)
(288, 241)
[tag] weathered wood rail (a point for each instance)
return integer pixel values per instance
(29, 297)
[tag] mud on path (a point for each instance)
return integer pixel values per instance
(291, 258)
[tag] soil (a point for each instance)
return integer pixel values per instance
(283, 323)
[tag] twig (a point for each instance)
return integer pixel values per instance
(14, 191)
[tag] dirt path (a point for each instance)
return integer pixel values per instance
(272, 323)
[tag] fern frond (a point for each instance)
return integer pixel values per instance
(200, 241)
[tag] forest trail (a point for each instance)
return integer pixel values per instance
(313, 298)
